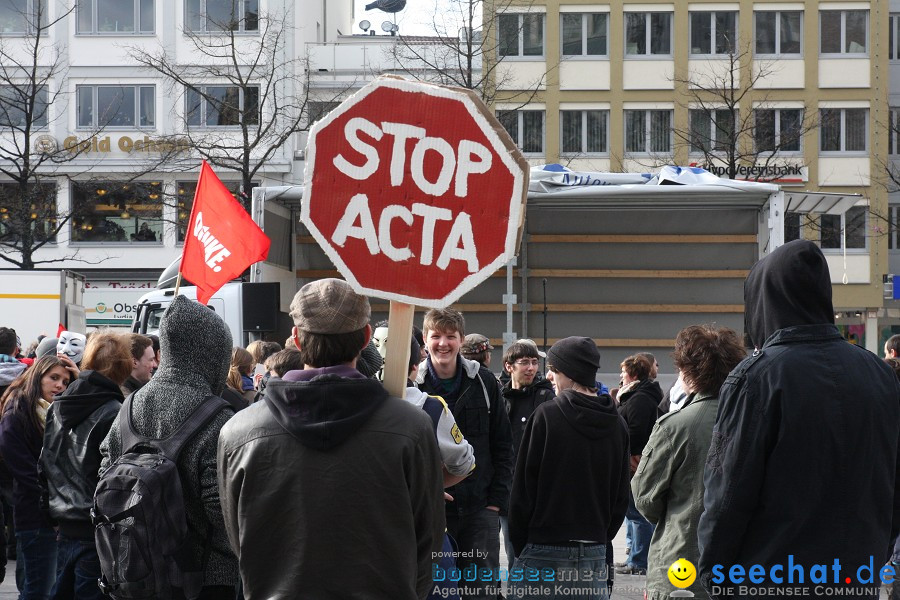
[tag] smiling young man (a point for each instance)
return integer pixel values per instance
(144, 360)
(523, 393)
(473, 395)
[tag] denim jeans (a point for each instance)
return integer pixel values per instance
(641, 532)
(37, 554)
(77, 570)
(478, 538)
(578, 572)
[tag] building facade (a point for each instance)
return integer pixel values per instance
(790, 92)
(117, 140)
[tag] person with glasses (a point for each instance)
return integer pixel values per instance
(523, 392)
(570, 489)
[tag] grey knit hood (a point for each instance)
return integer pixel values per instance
(196, 353)
(195, 345)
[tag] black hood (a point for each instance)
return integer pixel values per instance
(593, 416)
(325, 411)
(789, 287)
(85, 395)
(527, 391)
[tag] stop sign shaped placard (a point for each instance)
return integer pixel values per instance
(414, 191)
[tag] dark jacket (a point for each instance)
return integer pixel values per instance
(804, 453)
(20, 447)
(131, 385)
(521, 403)
(77, 422)
(196, 354)
(479, 411)
(639, 406)
(332, 489)
(572, 473)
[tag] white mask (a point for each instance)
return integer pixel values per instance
(379, 338)
(72, 345)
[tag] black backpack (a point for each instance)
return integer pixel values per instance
(141, 529)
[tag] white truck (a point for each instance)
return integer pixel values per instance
(250, 310)
(36, 302)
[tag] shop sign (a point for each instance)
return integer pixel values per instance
(108, 307)
(125, 143)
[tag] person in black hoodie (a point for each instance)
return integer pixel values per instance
(639, 399)
(804, 454)
(77, 422)
(570, 489)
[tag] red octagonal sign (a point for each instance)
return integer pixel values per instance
(414, 191)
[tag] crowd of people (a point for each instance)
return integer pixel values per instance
(299, 476)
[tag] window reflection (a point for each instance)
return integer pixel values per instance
(110, 211)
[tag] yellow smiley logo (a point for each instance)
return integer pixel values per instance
(682, 573)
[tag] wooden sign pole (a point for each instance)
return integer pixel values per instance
(396, 364)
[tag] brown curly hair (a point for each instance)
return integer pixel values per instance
(705, 355)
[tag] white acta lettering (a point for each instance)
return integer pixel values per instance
(468, 158)
(214, 250)
(357, 223)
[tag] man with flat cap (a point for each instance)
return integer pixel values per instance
(330, 487)
(570, 488)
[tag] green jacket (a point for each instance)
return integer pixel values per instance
(668, 490)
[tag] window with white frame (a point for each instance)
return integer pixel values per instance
(894, 37)
(584, 34)
(713, 32)
(116, 211)
(584, 131)
(648, 131)
(116, 16)
(41, 217)
(521, 34)
(792, 227)
(777, 129)
(712, 130)
(115, 106)
(316, 109)
(222, 15)
(19, 17)
(844, 31)
(894, 131)
(648, 33)
(221, 106)
(525, 127)
(843, 129)
(894, 227)
(838, 232)
(14, 103)
(779, 32)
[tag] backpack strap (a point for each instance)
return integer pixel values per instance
(487, 397)
(130, 437)
(170, 446)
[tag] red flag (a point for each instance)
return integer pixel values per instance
(222, 240)
(60, 329)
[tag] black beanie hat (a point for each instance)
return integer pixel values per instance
(577, 358)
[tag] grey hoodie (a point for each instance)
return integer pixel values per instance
(196, 352)
(9, 371)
